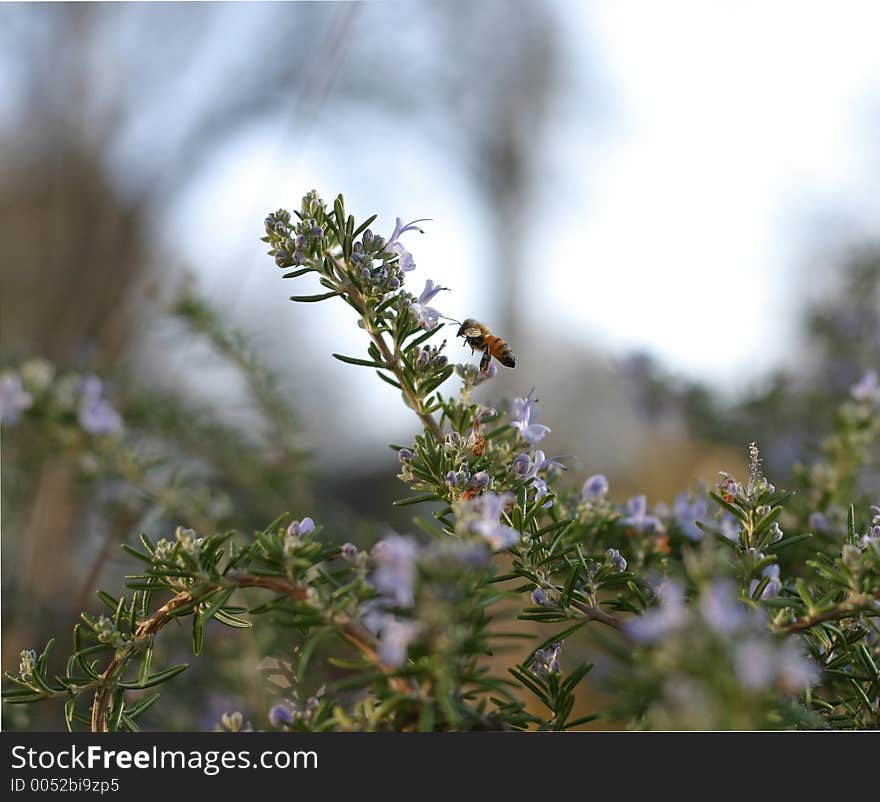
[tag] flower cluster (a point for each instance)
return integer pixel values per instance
(35, 389)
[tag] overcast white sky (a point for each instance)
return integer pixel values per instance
(740, 137)
(735, 144)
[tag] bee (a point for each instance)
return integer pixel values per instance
(480, 338)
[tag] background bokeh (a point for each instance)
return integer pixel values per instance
(671, 211)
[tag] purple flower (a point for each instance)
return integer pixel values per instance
(771, 590)
(541, 490)
(281, 716)
(687, 511)
(405, 260)
(96, 415)
(481, 516)
(661, 620)
(405, 455)
(524, 411)
(616, 560)
(721, 609)
(395, 575)
(538, 597)
(349, 551)
(427, 315)
(400, 228)
(395, 639)
(867, 388)
(755, 664)
(479, 481)
(818, 522)
(595, 488)
(729, 527)
(546, 661)
(638, 517)
(522, 465)
(870, 538)
(541, 462)
(300, 528)
(13, 399)
(795, 670)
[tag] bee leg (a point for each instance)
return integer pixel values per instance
(484, 362)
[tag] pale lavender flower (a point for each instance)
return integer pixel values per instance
(661, 620)
(867, 388)
(281, 716)
(638, 517)
(795, 670)
(729, 486)
(522, 465)
(404, 258)
(13, 399)
(300, 528)
(427, 316)
(405, 455)
(687, 511)
(615, 560)
(95, 414)
(871, 537)
(771, 591)
(721, 609)
(729, 527)
(776, 533)
(479, 481)
(818, 522)
(754, 663)
(395, 575)
(542, 462)
(541, 490)
(595, 488)
(395, 639)
(538, 597)
(524, 411)
(349, 551)
(481, 516)
(546, 661)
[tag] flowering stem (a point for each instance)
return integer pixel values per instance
(392, 362)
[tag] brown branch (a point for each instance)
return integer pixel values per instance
(597, 614)
(146, 628)
(843, 610)
(353, 632)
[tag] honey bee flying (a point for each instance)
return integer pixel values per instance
(480, 338)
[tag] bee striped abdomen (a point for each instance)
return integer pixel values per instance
(501, 351)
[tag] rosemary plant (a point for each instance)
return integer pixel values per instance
(737, 606)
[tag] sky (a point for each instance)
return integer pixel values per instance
(741, 139)
(733, 150)
(703, 166)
